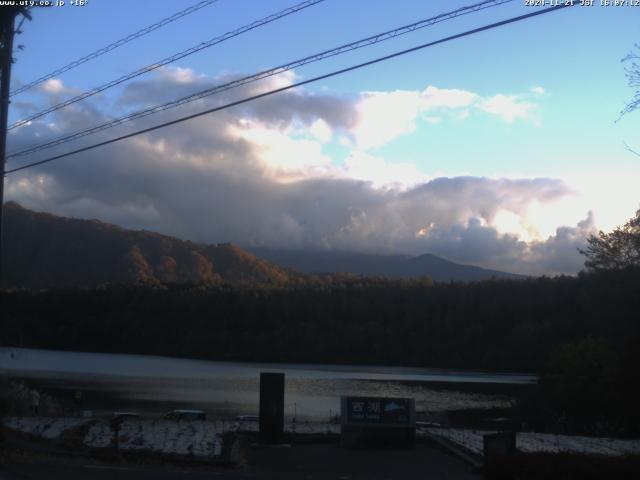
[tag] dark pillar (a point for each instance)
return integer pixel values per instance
(271, 408)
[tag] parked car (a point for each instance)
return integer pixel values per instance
(185, 415)
(427, 424)
(125, 415)
(248, 418)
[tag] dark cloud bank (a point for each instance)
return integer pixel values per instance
(201, 181)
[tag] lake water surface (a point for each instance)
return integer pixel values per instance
(224, 389)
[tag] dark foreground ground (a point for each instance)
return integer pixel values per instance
(300, 461)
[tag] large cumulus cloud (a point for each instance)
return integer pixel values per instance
(258, 175)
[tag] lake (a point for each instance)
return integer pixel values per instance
(152, 384)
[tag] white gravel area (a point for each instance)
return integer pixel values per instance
(46, 427)
(198, 438)
(99, 435)
(177, 437)
(531, 442)
(203, 438)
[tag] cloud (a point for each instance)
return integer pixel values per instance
(432, 120)
(538, 91)
(321, 130)
(53, 85)
(384, 116)
(180, 75)
(56, 91)
(558, 254)
(507, 107)
(433, 97)
(260, 175)
(285, 158)
(360, 165)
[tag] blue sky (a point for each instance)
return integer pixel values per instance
(533, 100)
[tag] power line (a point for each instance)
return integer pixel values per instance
(262, 75)
(168, 60)
(295, 85)
(114, 45)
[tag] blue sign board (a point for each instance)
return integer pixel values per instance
(378, 411)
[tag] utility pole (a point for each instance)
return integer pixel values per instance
(7, 17)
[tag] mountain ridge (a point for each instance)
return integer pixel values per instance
(394, 266)
(42, 250)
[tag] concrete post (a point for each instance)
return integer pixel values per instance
(271, 408)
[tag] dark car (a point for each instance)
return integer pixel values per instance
(185, 415)
(125, 415)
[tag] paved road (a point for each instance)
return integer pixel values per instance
(423, 461)
(309, 462)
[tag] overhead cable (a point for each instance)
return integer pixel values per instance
(371, 40)
(113, 46)
(295, 85)
(168, 60)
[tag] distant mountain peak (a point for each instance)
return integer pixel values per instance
(393, 266)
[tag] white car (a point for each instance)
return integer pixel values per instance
(248, 418)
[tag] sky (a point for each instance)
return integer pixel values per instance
(503, 149)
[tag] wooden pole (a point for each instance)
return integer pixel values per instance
(8, 16)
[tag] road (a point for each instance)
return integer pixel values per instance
(309, 462)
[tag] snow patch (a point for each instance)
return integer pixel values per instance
(530, 442)
(199, 438)
(175, 437)
(50, 428)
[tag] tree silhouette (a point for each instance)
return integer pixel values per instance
(632, 70)
(579, 380)
(617, 249)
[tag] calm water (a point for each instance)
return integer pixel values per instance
(156, 384)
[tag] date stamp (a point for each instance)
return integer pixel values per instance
(582, 3)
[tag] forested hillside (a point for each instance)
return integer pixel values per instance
(46, 251)
(498, 325)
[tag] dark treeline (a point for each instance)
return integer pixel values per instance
(495, 325)
(586, 327)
